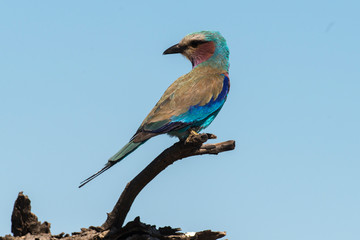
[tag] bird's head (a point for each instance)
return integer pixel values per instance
(203, 47)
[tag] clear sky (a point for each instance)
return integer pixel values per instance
(78, 77)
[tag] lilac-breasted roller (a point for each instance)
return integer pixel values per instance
(192, 102)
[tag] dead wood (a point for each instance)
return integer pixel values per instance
(23, 221)
(191, 147)
(28, 228)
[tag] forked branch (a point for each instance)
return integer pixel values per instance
(191, 147)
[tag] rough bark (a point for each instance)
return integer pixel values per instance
(23, 221)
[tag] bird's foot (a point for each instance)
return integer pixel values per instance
(192, 132)
(193, 137)
(196, 138)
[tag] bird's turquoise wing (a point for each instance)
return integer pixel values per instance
(191, 101)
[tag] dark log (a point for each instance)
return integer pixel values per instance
(136, 230)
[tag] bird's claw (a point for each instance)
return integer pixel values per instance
(196, 138)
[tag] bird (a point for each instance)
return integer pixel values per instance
(190, 103)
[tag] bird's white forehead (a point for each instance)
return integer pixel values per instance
(192, 37)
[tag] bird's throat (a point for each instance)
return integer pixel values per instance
(203, 53)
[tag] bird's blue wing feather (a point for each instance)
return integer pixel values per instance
(200, 114)
(195, 116)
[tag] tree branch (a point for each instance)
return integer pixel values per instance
(191, 147)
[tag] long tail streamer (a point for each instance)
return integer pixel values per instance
(121, 154)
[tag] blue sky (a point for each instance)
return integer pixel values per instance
(78, 77)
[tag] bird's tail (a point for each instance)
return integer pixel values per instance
(121, 154)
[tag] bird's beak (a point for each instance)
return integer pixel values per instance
(174, 49)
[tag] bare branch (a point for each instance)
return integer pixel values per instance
(191, 147)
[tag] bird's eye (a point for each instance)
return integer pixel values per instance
(196, 43)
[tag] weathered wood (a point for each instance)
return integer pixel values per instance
(23, 221)
(31, 229)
